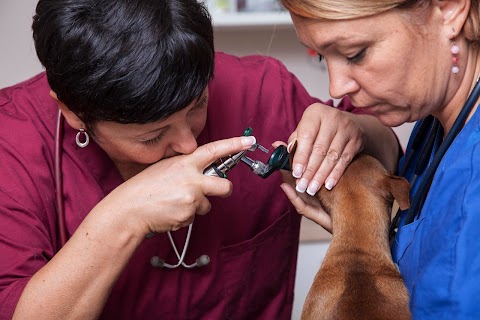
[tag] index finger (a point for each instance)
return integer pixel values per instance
(305, 135)
(210, 152)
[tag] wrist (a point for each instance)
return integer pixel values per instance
(117, 224)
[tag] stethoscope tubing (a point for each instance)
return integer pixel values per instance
(180, 258)
(62, 228)
(422, 190)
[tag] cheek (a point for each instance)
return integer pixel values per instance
(148, 154)
(135, 153)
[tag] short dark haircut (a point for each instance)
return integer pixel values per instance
(122, 60)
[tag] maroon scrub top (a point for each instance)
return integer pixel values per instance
(251, 237)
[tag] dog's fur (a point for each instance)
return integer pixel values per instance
(358, 279)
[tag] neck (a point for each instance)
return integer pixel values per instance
(363, 228)
(466, 83)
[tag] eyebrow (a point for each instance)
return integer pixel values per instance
(328, 44)
(200, 100)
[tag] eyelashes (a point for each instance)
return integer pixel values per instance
(355, 59)
(358, 57)
(154, 140)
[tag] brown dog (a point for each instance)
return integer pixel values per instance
(358, 279)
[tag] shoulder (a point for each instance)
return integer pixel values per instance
(257, 76)
(27, 115)
(251, 61)
(24, 88)
(28, 101)
(27, 106)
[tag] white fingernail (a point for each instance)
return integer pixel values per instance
(248, 141)
(313, 188)
(302, 185)
(289, 147)
(297, 171)
(330, 184)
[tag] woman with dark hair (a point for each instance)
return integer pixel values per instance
(146, 105)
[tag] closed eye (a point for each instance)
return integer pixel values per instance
(155, 140)
(358, 57)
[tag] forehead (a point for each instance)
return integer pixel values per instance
(320, 34)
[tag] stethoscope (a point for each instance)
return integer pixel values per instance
(278, 160)
(430, 129)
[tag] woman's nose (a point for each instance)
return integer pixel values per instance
(184, 141)
(341, 83)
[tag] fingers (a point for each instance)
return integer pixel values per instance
(306, 133)
(213, 186)
(333, 165)
(327, 140)
(210, 152)
(320, 161)
(276, 144)
(338, 167)
(308, 206)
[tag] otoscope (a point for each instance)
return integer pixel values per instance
(278, 160)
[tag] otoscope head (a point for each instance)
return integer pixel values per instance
(278, 160)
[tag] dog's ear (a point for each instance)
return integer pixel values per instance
(400, 190)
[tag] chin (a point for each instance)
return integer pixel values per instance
(390, 121)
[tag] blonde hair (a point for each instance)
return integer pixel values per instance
(351, 9)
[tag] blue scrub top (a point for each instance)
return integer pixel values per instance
(438, 254)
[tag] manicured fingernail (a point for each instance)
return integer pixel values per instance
(302, 185)
(313, 188)
(297, 171)
(248, 141)
(289, 147)
(330, 183)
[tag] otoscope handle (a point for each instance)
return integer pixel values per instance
(220, 167)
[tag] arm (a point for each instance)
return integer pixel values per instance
(77, 281)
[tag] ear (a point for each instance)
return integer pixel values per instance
(400, 190)
(72, 119)
(454, 13)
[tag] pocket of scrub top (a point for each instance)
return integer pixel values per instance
(256, 272)
(405, 250)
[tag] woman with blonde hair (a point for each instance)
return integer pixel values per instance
(407, 61)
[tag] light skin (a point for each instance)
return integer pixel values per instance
(392, 68)
(158, 197)
(164, 189)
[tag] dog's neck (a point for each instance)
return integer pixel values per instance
(360, 226)
(360, 221)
